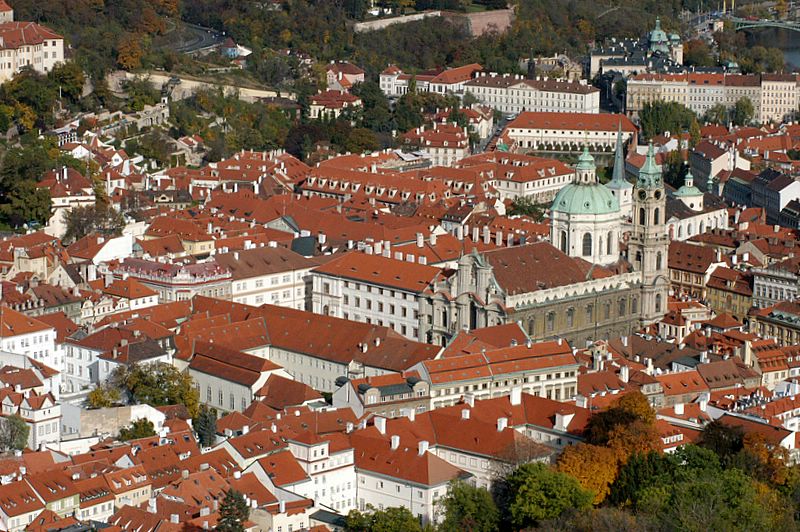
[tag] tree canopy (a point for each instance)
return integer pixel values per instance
(156, 384)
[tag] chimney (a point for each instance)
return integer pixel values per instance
(747, 353)
(422, 446)
(469, 399)
(486, 234)
(378, 247)
(502, 423)
(412, 414)
(624, 374)
(395, 442)
(152, 505)
(516, 396)
(237, 475)
(679, 409)
(433, 239)
(282, 507)
(650, 369)
(498, 238)
(704, 401)
(380, 424)
(184, 474)
(625, 341)
(465, 413)
(173, 518)
(420, 240)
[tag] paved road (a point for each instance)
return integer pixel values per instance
(197, 39)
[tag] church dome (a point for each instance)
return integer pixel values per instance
(583, 198)
(658, 35)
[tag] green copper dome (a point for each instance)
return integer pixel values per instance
(688, 188)
(658, 35)
(582, 198)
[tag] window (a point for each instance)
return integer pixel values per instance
(642, 217)
(622, 307)
(570, 317)
(589, 313)
(658, 302)
(607, 311)
(656, 216)
(232, 402)
(564, 241)
(551, 321)
(609, 248)
(587, 244)
(658, 260)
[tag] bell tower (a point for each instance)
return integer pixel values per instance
(648, 246)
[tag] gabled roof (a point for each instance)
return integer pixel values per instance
(13, 323)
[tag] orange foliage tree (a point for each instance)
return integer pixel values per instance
(595, 467)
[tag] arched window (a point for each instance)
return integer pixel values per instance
(589, 313)
(658, 302)
(587, 244)
(658, 260)
(532, 326)
(689, 230)
(551, 321)
(570, 317)
(680, 231)
(608, 244)
(702, 227)
(564, 241)
(606, 311)
(656, 216)
(642, 217)
(623, 307)
(634, 305)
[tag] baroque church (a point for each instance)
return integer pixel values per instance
(603, 274)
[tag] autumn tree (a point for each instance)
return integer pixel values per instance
(593, 466)
(129, 52)
(103, 397)
(157, 384)
(140, 428)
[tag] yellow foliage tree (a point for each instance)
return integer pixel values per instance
(595, 468)
(129, 52)
(638, 405)
(636, 437)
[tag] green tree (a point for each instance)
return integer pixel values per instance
(392, 519)
(140, 428)
(717, 114)
(725, 440)
(13, 433)
(102, 397)
(526, 206)
(467, 508)
(376, 113)
(742, 112)
(695, 135)
(69, 78)
(205, 425)
(100, 218)
(157, 384)
(659, 117)
(25, 203)
(537, 492)
(233, 512)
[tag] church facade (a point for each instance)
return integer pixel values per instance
(579, 286)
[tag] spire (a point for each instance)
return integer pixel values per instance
(650, 173)
(618, 173)
(688, 179)
(585, 171)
